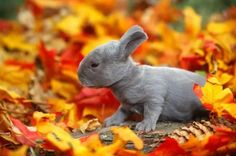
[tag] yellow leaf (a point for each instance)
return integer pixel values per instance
(59, 105)
(64, 89)
(15, 79)
(18, 44)
(84, 15)
(221, 27)
(216, 99)
(88, 13)
(44, 122)
(22, 151)
(70, 24)
(224, 77)
(59, 138)
(93, 142)
(125, 134)
(213, 93)
(39, 116)
(72, 117)
(111, 149)
(225, 109)
(94, 43)
(192, 21)
(56, 135)
(70, 74)
(6, 94)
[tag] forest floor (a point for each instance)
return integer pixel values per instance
(151, 139)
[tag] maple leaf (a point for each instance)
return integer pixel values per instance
(125, 134)
(213, 94)
(217, 99)
(170, 147)
(23, 134)
(48, 60)
(72, 55)
(96, 102)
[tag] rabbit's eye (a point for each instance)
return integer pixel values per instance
(94, 65)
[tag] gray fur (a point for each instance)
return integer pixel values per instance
(157, 93)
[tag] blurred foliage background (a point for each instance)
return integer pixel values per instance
(43, 41)
(9, 8)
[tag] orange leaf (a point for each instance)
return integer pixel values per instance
(223, 136)
(125, 134)
(192, 21)
(21, 151)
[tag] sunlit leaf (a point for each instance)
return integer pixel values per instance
(221, 27)
(64, 89)
(125, 134)
(192, 22)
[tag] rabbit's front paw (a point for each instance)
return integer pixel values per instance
(112, 120)
(145, 126)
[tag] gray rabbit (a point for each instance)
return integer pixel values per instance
(157, 93)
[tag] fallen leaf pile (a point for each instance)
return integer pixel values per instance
(211, 138)
(42, 102)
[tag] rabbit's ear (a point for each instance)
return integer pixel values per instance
(134, 37)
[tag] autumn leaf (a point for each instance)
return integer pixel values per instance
(170, 147)
(22, 151)
(18, 42)
(92, 44)
(192, 21)
(6, 127)
(64, 89)
(213, 94)
(15, 79)
(125, 134)
(48, 60)
(217, 99)
(42, 80)
(23, 65)
(221, 27)
(24, 134)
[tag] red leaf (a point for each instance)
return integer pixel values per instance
(27, 137)
(48, 60)
(192, 62)
(197, 90)
(72, 55)
(23, 65)
(34, 7)
(169, 147)
(91, 96)
(5, 26)
(222, 137)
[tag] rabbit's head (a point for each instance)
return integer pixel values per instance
(110, 62)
